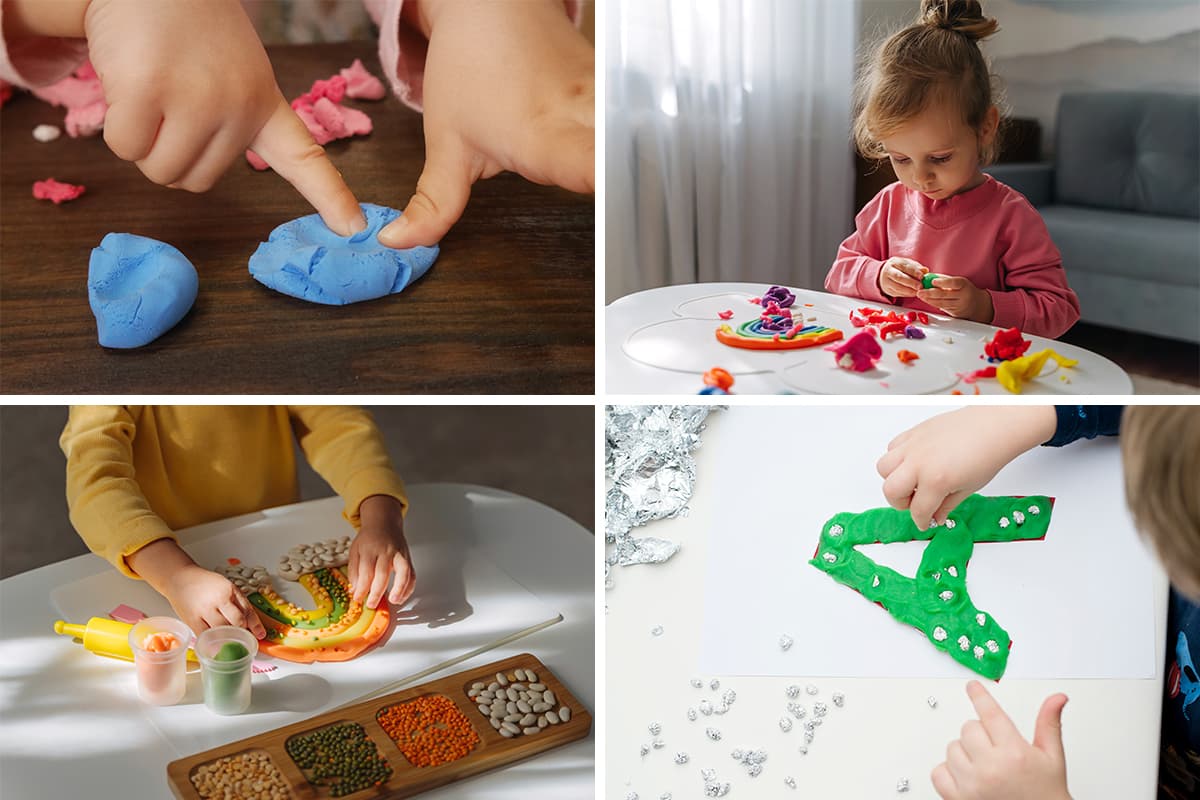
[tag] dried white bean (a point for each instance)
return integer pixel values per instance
(551, 717)
(548, 697)
(564, 714)
(506, 733)
(493, 686)
(524, 707)
(509, 726)
(539, 707)
(538, 687)
(527, 720)
(495, 723)
(531, 675)
(513, 717)
(542, 722)
(501, 679)
(520, 673)
(528, 731)
(512, 707)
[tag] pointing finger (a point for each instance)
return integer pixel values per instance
(287, 146)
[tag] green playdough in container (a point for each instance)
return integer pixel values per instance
(226, 674)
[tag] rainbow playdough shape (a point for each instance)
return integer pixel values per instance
(752, 335)
(336, 629)
(935, 601)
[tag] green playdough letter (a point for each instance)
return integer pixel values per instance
(936, 600)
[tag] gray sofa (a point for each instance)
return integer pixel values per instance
(1122, 202)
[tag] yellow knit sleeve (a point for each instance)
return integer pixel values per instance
(108, 508)
(344, 446)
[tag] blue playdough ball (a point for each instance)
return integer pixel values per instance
(138, 288)
(305, 259)
(712, 390)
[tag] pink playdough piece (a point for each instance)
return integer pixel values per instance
(361, 84)
(87, 120)
(859, 353)
(83, 97)
(322, 113)
(56, 191)
(333, 89)
(124, 613)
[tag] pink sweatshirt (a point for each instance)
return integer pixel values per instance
(401, 51)
(989, 234)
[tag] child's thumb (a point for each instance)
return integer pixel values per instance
(440, 199)
(1047, 732)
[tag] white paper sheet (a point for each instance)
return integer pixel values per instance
(464, 604)
(1077, 604)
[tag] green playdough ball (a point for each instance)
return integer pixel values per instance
(928, 278)
(231, 651)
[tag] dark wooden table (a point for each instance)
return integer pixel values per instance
(507, 309)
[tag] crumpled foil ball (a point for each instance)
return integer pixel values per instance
(647, 459)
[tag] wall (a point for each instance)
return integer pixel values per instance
(1046, 47)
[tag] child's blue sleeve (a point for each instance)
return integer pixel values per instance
(1085, 422)
(1179, 762)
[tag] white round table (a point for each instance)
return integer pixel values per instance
(58, 739)
(660, 341)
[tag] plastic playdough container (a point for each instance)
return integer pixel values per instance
(161, 667)
(225, 654)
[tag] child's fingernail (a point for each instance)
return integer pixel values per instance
(391, 234)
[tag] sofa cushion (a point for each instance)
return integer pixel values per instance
(1132, 151)
(1159, 249)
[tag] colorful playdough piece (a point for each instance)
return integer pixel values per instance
(336, 629)
(907, 356)
(83, 96)
(936, 600)
(859, 353)
(139, 288)
(1006, 345)
(928, 278)
(754, 335)
(57, 191)
(1013, 374)
(361, 84)
(160, 642)
(305, 259)
(717, 381)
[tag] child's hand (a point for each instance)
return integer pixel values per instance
(203, 599)
(508, 86)
(993, 762)
(379, 549)
(959, 298)
(932, 467)
(901, 277)
(190, 87)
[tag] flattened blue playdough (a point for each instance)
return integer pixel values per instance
(138, 288)
(305, 259)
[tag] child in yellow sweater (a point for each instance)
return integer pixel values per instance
(135, 474)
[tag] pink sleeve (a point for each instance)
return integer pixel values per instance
(1038, 299)
(402, 49)
(855, 271)
(38, 62)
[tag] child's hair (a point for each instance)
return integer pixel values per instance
(938, 56)
(1160, 448)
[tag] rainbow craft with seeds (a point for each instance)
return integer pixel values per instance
(935, 601)
(757, 334)
(337, 629)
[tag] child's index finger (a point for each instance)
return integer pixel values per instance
(996, 722)
(287, 146)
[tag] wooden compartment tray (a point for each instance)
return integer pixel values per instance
(406, 780)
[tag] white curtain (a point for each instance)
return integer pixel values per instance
(727, 140)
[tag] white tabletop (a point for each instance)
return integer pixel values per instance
(885, 732)
(56, 740)
(1094, 374)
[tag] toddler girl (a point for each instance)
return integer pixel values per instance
(925, 102)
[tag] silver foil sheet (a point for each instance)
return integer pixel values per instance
(648, 463)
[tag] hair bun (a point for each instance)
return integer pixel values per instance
(961, 16)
